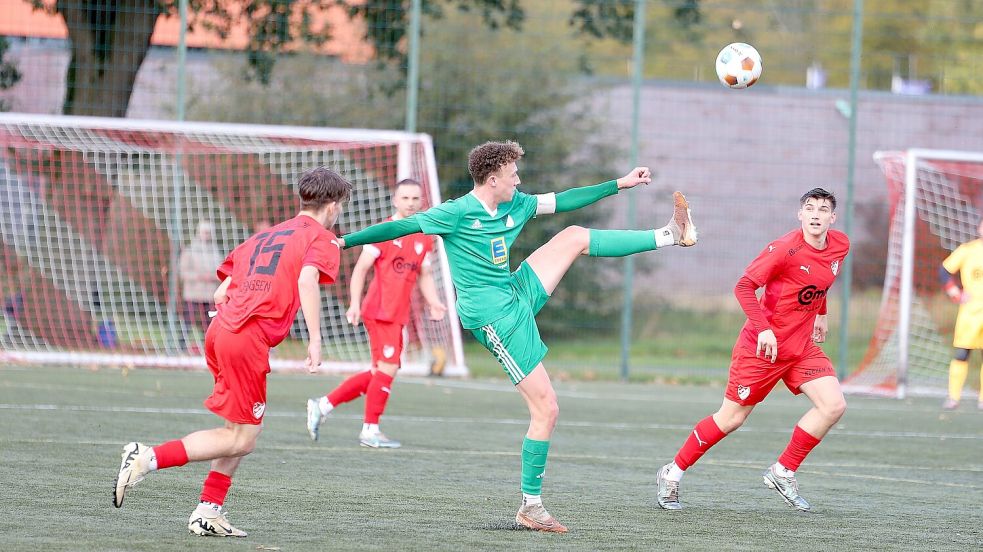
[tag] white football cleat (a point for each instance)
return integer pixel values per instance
(135, 465)
(377, 440)
(208, 520)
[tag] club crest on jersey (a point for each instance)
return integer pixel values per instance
(476, 225)
(499, 253)
(743, 392)
(834, 266)
(418, 247)
(509, 223)
(258, 409)
(388, 351)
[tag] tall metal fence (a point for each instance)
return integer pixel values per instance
(589, 88)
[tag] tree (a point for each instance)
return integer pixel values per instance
(110, 38)
(9, 74)
(537, 100)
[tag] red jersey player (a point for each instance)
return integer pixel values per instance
(386, 310)
(265, 280)
(778, 343)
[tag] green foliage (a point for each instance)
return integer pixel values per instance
(531, 99)
(9, 74)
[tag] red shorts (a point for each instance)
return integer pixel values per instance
(385, 340)
(752, 378)
(239, 361)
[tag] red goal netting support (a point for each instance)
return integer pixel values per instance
(936, 203)
(95, 214)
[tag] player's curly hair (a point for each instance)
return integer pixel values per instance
(491, 156)
(320, 186)
(819, 193)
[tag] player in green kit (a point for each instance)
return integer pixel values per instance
(499, 306)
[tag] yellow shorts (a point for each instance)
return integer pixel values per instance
(968, 333)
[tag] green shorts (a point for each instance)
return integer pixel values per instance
(514, 339)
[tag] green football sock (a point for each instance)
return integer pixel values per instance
(618, 243)
(533, 465)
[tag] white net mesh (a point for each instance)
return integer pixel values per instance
(948, 206)
(97, 211)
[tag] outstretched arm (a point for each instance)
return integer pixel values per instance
(384, 231)
(576, 198)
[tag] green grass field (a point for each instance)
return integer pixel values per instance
(892, 476)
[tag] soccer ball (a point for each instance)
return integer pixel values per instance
(738, 65)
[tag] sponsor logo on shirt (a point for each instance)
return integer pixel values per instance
(401, 265)
(476, 225)
(499, 253)
(258, 409)
(804, 268)
(811, 293)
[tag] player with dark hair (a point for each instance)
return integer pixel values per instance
(778, 343)
(399, 265)
(265, 281)
(499, 306)
(967, 262)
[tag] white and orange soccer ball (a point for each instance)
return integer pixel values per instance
(738, 65)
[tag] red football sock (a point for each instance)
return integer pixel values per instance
(171, 454)
(377, 395)
(704, 435)
(799, 446)
(350, 389)
(216, 487)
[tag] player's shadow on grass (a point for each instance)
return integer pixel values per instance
(505, 525)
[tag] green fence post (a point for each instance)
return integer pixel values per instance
(638, 60)
(858, 30)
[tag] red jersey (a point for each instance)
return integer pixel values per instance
(796, 278)
(265, 269)
(397, 266)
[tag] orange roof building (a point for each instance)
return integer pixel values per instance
(18, 18)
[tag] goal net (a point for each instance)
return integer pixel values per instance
(936, 204)
(96, 213)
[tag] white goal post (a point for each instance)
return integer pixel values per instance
(936, 202)
(96, 212)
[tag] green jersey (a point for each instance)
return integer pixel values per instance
(477, 243)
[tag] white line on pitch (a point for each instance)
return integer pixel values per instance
(499, 421)
(567, 456)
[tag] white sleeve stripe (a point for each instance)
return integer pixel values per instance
(373, 250)
(545, 204)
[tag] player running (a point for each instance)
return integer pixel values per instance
(967, 261)
(398, 264)
(265, 280)
(499, 306)
(777, 343)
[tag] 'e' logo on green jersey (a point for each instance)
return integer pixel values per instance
(499, 253)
